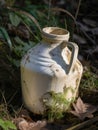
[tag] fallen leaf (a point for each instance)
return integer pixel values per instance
(83, 110)
(23, 124)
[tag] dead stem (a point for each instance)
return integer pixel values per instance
(83, 124)
(77, 11)
(76, 14)
(49, 9)
(64, 11)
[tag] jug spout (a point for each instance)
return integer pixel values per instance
(54, 35)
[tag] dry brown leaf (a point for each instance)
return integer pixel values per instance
(23, 124)
(83, 110)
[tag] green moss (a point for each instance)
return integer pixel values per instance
(56, 104)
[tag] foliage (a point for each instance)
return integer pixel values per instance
(15, 19)
(6, 36)
(6, 125)
(55, 105)
(17, 35)
(89, 80)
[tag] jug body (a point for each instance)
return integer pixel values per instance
(49, 67)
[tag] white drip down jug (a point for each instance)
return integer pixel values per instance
(50, 66)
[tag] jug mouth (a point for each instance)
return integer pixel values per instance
(55, 34)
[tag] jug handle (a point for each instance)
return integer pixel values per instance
(74, 54)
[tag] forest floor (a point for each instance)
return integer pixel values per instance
(85, 116)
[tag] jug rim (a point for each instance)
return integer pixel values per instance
(55, 33)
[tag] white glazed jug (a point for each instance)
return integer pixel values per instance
(50, 66)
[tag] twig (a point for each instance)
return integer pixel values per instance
(76, 14)
(12, 97)
(5, 104)
(81, 125)
(77, 11)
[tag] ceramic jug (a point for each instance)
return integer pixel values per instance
(50, 66)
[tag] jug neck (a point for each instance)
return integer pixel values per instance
(54, 35)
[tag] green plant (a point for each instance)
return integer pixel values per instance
(17, 35)
(55, 105)
(6, 36)
(6, 125)
(89, 80)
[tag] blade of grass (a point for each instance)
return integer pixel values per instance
(30, 30)
(6, 36)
